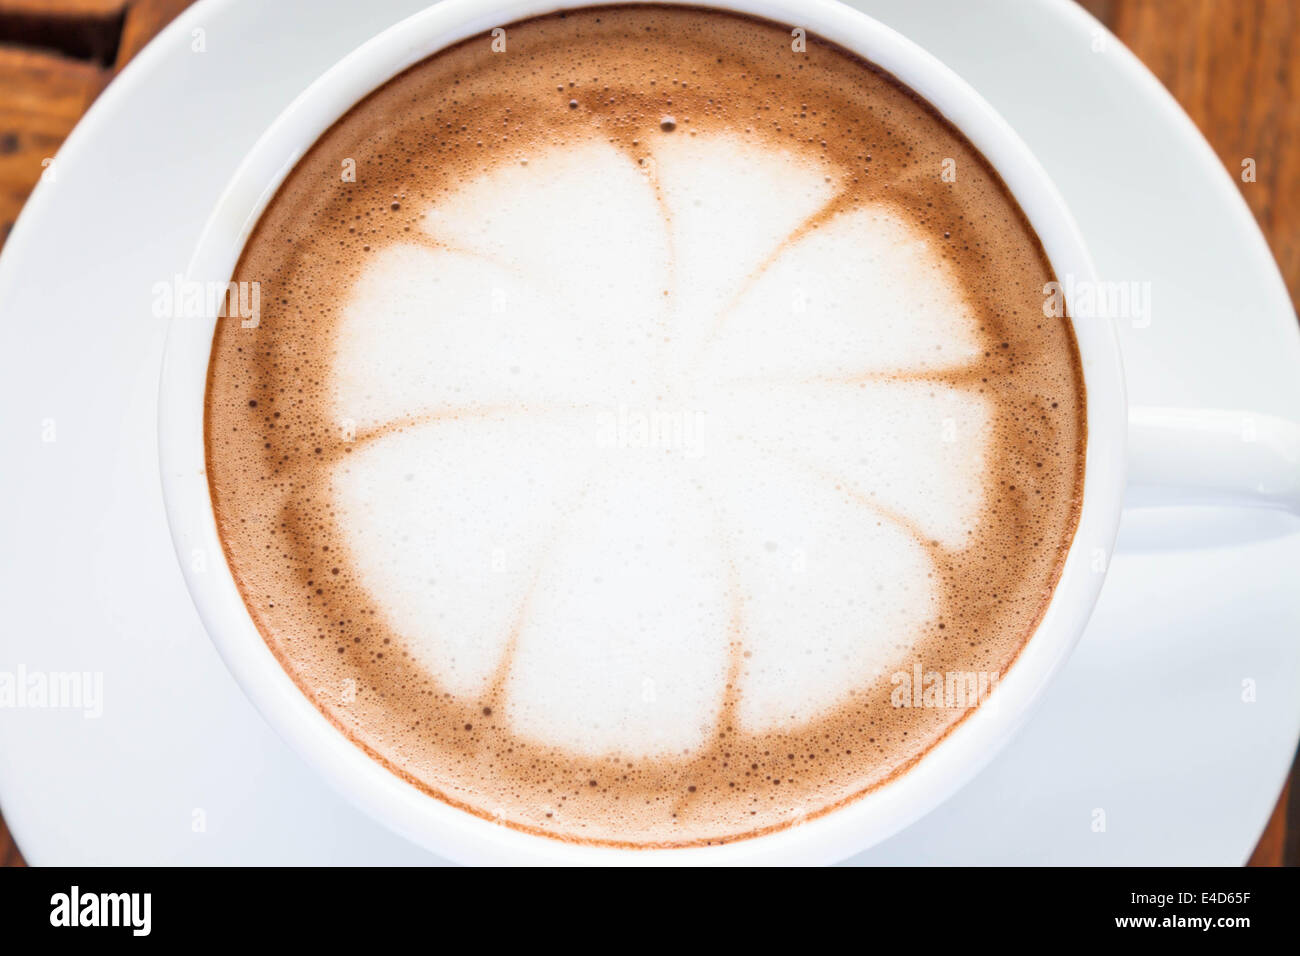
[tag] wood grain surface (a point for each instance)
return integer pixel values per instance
(1232, 64)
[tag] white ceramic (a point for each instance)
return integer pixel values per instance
(1267, 474)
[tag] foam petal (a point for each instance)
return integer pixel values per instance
(449, 522)
(730, 208)
(834, 593)
(907, 448)
(865, 292)
(498, 302)
(626, 645)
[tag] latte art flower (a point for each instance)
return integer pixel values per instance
(643, 407)
(643, 438)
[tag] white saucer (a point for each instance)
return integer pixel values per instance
(1146, 723)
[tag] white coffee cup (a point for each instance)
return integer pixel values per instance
(1178, 455)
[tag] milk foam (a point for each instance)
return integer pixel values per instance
(599, 474)
(613, 585)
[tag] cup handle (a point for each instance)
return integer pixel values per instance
(1183, 456)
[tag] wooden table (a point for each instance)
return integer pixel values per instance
(1232, 64)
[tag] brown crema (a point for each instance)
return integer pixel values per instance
(615, 72)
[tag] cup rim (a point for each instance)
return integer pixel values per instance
(462, 836)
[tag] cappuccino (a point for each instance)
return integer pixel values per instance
(648, 406)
